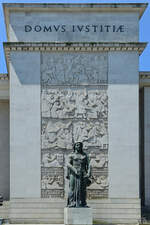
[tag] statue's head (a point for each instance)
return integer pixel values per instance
(78, 147)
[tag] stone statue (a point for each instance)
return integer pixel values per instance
(78, 173)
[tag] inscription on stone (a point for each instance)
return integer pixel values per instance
(75, 28)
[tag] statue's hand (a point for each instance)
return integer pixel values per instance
(75, 171)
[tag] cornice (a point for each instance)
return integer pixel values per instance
(144, 79)
(101, 7)
(145, 75)
(74, 47)
(4, 76)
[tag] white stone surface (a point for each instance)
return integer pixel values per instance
(4, 149)
(147, 145)
(123, 125)
(78, 216)
(25, 125)
(83, 22)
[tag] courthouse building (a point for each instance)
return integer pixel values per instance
(73, 75)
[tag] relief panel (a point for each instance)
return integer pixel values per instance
(56, 134)
(99, 185)
(74, 107)
(67, 103)
(99, 178)
(52, 180)
(92, 134)
(74, 68)
(52, 160)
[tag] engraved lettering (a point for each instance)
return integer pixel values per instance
(27, 28)
(37, 28)
(107, 28)
(101, 28)
(56, 27)
(120, 28)
(63, 28)
(95, 27)
(76, 28)
(114, 28)
(73, 28)
(47, 29)
(87, 28)
(80, 28)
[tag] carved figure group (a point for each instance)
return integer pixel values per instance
(74, 104)
(52, 160)
(52, 182)
(72, 68)
(60, 134)
(92, 134)
(57, 135)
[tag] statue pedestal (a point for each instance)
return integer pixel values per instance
(78, 216)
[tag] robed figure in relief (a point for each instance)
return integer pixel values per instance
(78, 173)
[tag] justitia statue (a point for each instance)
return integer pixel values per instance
(78, 174)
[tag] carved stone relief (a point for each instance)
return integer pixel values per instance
(62, 135)
(99, 179)
(52, 179)
(90, 133)
(99, 165)
(52, 160)
(74, 107)
(99, 183)
(81, 103)
(97, 193)
(74, 68)
(56, 134)
(53, 193)
(98, 160)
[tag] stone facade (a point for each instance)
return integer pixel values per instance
(71, 89)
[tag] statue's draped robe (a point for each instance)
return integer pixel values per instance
(78, 168)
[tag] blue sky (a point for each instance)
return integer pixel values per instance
(144, 27)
